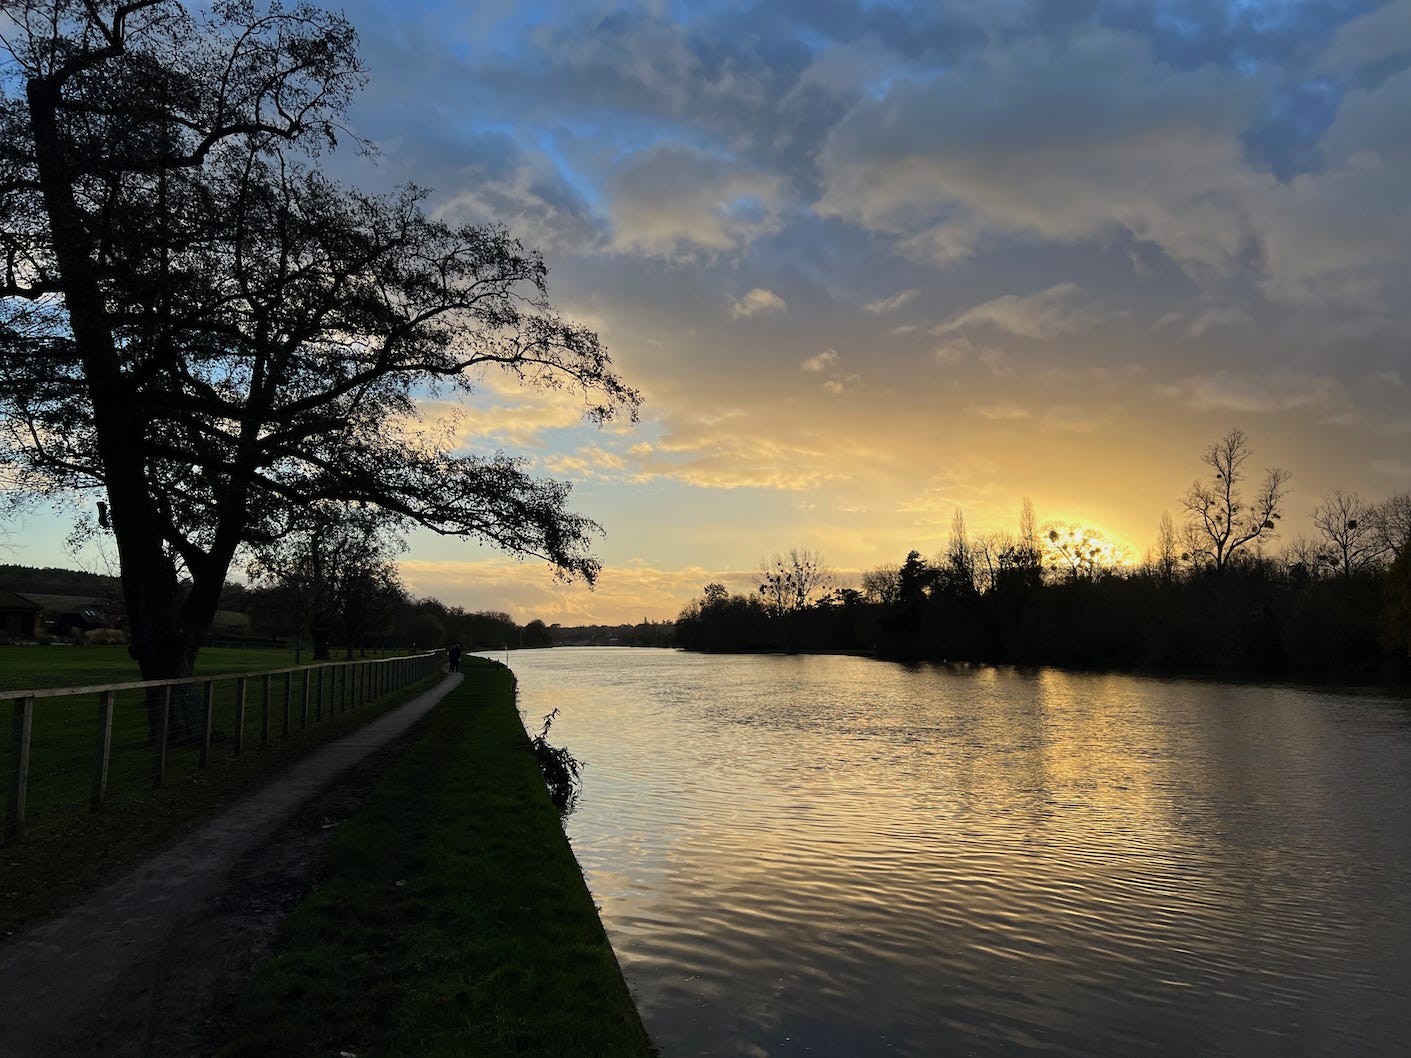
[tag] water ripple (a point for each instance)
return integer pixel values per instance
(836, 856)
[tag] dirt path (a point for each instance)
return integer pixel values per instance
(152, 964)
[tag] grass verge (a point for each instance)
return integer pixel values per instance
(69, 857)
(452, 918)
(24, 668)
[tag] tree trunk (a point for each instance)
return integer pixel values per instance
(162, 646)
(159, 645)
(320, 633)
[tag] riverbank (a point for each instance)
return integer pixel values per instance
(1393, 680)
(452, 917)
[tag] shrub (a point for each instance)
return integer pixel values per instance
(560, 768)
(105, 637)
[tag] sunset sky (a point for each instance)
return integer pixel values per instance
(870, 262)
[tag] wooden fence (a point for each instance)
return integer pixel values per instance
(94, 739)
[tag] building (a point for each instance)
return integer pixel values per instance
(18, 615)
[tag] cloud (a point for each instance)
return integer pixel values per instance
(828, 360)
(1375, 36)
(675, 202)
(953, 352)
(591, 462)
(526, 191)
(1244, 393)
(1399, 470)
(1197, 326)
(823, 360)
(1003, 412)
(757, 302)
(1387, 379)
(969, 482)
(1069, 418)
(997, 361)
(1338, 239)
(1035, 139)
(708, 451)
(625, 593)
(501, 412)
(892, 303)
(1045, 314)
(1031, 140)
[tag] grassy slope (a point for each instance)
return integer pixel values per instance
(28, 667)
(453, 919)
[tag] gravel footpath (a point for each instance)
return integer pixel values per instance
(153, 964)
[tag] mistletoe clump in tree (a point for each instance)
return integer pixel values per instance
(203, 330)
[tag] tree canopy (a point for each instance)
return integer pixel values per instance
(203, 329)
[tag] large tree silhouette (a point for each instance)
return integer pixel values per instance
(1220, 521)
(206, 332)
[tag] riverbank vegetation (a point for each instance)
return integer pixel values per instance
(1213, 594)
(452, 918)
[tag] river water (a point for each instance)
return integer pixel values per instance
(838, 856)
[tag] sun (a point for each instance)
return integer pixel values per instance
(1081, 551)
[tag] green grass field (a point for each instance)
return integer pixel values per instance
(452, 918)
(67, 848)
(31, 667)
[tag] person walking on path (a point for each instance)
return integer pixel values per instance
(453, 653)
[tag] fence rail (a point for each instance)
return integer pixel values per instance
(71, 747)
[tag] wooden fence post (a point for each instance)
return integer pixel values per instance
(288, 694)
(264, 712)
(239, 714)
(105, 746)
(318, 702)
(208, 709)
(19, 775)
(164, 736)
(304, 701)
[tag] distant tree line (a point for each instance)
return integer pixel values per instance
(646, 634)
(366, 609)
(1212, 594)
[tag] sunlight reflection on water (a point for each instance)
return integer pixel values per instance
(839, 856)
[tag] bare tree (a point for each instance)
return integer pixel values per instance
(1079, 552)
(1219, 520)
(1028, 528)
(334, 566)
(1020, 559)
(883, 584)
(1166, 555)
(789, 583)
(959, 562)
(1304, 557)
(993, 553)
(1349, 532)
(1391, 519)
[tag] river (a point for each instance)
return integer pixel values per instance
(838, 856)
